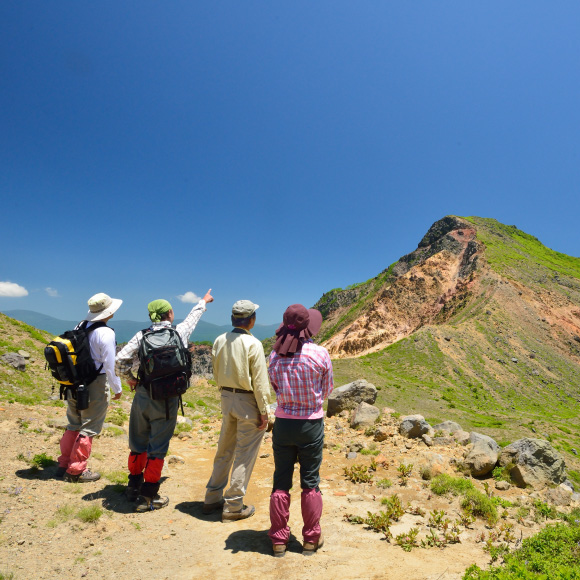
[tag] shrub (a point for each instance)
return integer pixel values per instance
(358, 474)
(384, 483)
(443, 484)
(42, 460)
(479, 504)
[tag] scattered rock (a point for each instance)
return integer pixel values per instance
(349, 396)
(382, 434)
(502, 485)
(427, 440)
(185, 420)
(351, 455)
(172, 459)
(443, 441)
(24, 354)
(413, 426)
(364, 415)
(449, 426)
(560, 496)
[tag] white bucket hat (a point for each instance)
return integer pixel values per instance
(102, 306)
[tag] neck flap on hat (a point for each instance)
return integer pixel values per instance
(290, 340)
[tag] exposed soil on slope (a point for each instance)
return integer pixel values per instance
(178, 542)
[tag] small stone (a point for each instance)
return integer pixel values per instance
(352, 455)
(502, 485)
(166, 537)
(175, 459)
(264, 455)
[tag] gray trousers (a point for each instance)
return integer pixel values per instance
(238, 448)
(149, 429)
(90, 421)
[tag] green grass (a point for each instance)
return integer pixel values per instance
(90, 513)
(553, 554)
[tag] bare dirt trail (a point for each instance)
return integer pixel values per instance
(178, 542)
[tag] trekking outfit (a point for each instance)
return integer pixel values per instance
(86, 423)
(239, 368)
(152, 420)
(301, 376)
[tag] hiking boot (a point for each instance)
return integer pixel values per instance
(279, 550)
(86, 476)
(246, 512)
(134, 484)
(60, 472)
(209, 508)
(308, 548)
(147, 504)
(132, 493)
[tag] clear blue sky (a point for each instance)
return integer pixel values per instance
(271, 150)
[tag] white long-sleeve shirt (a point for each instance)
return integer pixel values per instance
(103, 347)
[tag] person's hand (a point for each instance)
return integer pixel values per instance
(117, 396)
(208, 297)
(263, 422)
(132, 382)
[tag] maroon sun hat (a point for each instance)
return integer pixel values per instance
(299, 324)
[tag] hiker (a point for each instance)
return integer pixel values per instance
(152, 420)
(83, 425)
(239, 369)
(301, 375)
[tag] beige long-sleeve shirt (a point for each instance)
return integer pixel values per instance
(239, 363)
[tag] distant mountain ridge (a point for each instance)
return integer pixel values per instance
(126, 329)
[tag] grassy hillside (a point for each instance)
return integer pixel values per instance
(507, 361)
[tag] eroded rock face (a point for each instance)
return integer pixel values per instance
(349, 396)
(536, 463)
(420, 286)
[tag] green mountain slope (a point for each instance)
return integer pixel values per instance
(498, 350)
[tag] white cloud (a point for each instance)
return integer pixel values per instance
(52, 292)
(189, 297)
(12, 290)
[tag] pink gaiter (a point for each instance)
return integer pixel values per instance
(279, 513)
(80, 453)
(311, 500)
(66, 445)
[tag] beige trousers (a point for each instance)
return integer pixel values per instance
(238, 447)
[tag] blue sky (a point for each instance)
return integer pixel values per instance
(268, 150)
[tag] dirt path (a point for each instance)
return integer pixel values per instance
(179, 542)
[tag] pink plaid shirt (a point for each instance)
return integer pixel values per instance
(302, 382)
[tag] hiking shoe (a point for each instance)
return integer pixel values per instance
(246, 512)
(147, 504)
(209, 508)
(308, 548)
(86, 476)
(279, 550)
(60, 472)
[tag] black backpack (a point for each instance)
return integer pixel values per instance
(69, 359)
(164, 364)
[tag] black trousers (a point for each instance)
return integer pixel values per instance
(297, 440)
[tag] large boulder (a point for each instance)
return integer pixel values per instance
(350, 396)
(535, 463)
(15, 360)
(475, 437)
(413, 426)
(364, 415)
(481, 458)
(448, 426)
